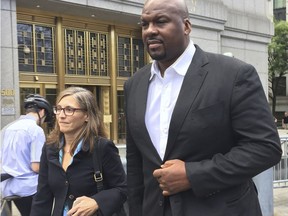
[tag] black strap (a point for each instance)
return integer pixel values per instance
(5, 176)
(97, 153)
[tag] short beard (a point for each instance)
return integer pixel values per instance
(158, 57)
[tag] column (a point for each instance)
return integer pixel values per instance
(10, 108)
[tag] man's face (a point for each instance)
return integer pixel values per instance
(164, 30)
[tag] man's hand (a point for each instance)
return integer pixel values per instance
(83, 206)
(172, 177)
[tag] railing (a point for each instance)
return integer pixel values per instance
(280, 170)
(122, 152)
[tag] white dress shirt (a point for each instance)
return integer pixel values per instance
(162, 96)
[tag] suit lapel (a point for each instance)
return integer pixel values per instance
(141, 102)
(53, 156)
(191, 85)
(54, 159)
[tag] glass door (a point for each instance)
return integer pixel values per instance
(121, 118)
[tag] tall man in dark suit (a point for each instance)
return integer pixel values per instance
(198, 125)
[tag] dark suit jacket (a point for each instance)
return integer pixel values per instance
(78, 180)
(221, 127)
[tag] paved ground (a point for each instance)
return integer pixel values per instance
(281, 201)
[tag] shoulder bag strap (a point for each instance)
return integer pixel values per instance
(97, 152)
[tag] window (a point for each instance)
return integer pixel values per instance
(138, 54)
(130, 56)
(35, 48)
(98, 54)
(44, 49)
(75, 52)
(94, 62)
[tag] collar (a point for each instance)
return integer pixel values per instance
(78, 148)
(27, 116)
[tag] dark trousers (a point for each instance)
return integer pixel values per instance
(24, 205)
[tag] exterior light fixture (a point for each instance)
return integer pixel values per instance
(26, 49)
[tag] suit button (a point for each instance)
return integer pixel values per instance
(160, 203)
(71, 197)
(66, 183)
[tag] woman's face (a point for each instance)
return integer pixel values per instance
(70, 124)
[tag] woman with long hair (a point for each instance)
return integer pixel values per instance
(66, 185)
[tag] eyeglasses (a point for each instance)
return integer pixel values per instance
(68, 111)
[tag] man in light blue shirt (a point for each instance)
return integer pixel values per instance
(22, 142)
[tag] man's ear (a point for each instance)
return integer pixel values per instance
(42, 113)
(188, 26)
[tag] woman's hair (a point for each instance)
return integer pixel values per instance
(94, 127)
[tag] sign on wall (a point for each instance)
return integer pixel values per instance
(7, 102)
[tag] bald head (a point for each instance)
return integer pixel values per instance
(179, 6)
(165, 30)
